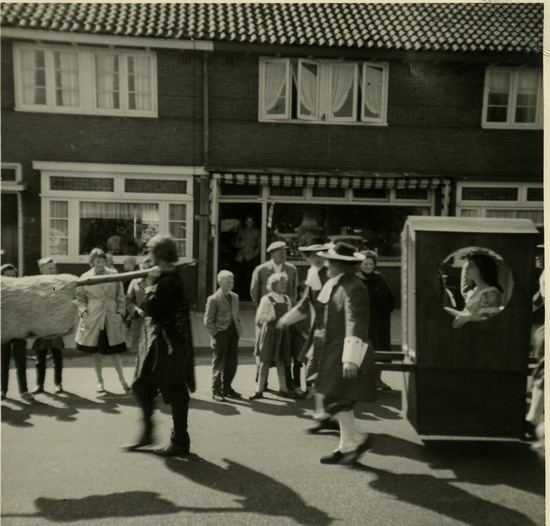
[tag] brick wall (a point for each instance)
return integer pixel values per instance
(434, 128)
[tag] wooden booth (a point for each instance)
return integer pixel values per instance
(468, 381)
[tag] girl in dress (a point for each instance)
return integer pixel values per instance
(481, 290)
(101, 329)
(273, 344)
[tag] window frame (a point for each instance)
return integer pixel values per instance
(261, 100)
(512, 100)
(87, 77)
(325, 68)
(120, 173)
(317, 114)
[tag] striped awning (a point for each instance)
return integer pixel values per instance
(377, 181)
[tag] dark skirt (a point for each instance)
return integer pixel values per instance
(102, 346)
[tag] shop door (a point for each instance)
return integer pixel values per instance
(9, 229)
(240, 243)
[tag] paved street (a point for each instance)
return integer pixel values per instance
(252, 463)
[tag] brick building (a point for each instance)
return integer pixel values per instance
(119, 121)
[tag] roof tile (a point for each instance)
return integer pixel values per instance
(480, 26)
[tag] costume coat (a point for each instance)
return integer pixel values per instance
(105, 306)
(168, 335)
(344, 318)
(259, 281)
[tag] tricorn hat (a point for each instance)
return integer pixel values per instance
(276, 245)
(343, 252)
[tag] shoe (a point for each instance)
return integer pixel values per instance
(334, 458)
(327, 424)
(144, 441)
(358, 451)
(287, 394)
(299, 393)
(38, 390)
(256, 396)
(126, 387)
(59, 389)
(383, 386)
(218, 397)
(232, 394)
(172, 450)
(27, 396)
(100, 388)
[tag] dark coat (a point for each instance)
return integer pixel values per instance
(168, 335)
(382, 305)
(346, 314)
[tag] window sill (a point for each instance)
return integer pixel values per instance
(95, 113)
(511, 127)
(324, 123)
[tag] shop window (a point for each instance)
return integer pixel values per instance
(323, 91)
(374, 227)
(371, 193)
(239, 190)
(491, 193)
(329, 192)
(286, 191)
(65, 79)
(413, 194)
(82, 184)
(513, 98)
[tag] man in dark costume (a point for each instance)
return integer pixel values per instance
(165, 361)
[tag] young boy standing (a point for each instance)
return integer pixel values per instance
(221, 319)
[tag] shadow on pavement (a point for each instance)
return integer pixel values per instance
(256, 492)
(63, 408)
(388, 406)
(115, 505)
(485, 463)
(441, 497)
(221, 408)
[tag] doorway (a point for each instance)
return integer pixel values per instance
(240, 242)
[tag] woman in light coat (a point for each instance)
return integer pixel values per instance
(101, 328)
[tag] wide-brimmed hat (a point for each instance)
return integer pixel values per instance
(317, 245)
(43, 261)
(343, 252)
(276, 245)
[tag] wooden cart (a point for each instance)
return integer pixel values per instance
(469, 381)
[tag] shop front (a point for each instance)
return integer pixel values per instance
(249, 211)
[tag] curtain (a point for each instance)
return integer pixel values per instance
(343, 76)
(107, 81)
(146, 212)
(139, 82)
(373, 82)
(66, 79)
(309, 73)
(275, 77)
(469, 212)
(59, 228)
(33, 65)
(499, 82)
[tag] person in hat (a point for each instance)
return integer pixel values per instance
(16, 348)
(55, 346)
(346, 358)
(277, 252)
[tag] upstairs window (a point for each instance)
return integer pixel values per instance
(512, 98)
(85, 81)
(323, 91)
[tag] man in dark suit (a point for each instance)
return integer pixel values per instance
(277, 251)
(221, 320)
(346, 358)
(165, 362)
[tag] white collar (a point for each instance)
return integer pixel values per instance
(326, 291)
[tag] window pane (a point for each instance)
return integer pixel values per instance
(239, 189)
(84, 184)
(118, 228)
(477, 193)
(139, 83)
(329, 192)
(370, 193)
(498, 96)
(411, 193)
(58, 241)
(107, 81)
(9, 174)
(537, 216)
(535, 194)
(342, 91)
(275, 88)
(155, 186)
(503, 214)
(33, 65)
(59, 209)
(526, 114)
(373, 83)
(178, 212)
(295, 191)
(66, 79)
(308, 89)
(469, 212)
(178, 226)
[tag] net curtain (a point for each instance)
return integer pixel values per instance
(274, 84)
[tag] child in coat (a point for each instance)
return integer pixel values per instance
(273, 344)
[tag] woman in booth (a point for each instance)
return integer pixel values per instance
(480, 288)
